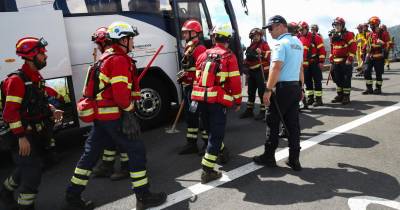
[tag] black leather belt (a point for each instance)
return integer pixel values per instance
(287, 83)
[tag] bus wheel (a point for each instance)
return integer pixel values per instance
(154, 104)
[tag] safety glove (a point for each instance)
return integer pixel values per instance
(130, 125)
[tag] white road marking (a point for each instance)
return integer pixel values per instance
(362, 202)
(229, 176)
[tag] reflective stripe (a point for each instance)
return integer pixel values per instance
(351, 54)
(207, 163)
(124, 157)
(237, 96)
(106, 158)
(104, 77)
(234, 73)
(322, 56)
(222, 146)
(338, 59)
(351, 41)
(370, 82)
(191, 69)
(14, 125)
(305, 62)
(255, 66)
(140, 182)
(379, 82)
(210, 157)
(27, 196)
(376, 45)
(117, 79)
(78, 181)
(228, 97)
(309, 92)
(110, 152)
(108, 110)
(205, 74)
(85, 113)
(318, 93)
(201, 94)
(136, 93)
(82, 172)
(339, 89)
(346, 90)
(306, 47)
(15, 99)
(377, 55)
(192, 130)
(320, 45)
(129, 108)
(250, 103)
(138, 174)
(204, 136)
(191, 136)
(10, 184)
(26, 199)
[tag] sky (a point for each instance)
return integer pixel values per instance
(321, 12)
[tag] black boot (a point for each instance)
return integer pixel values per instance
(293, 161)
(368, 91)
(7, 198)
(346, 99)
(189, 148)
(123, 173)
(378, 90)
(310, 100)
(223, 156)
(260, 115)
(247, 113)
(338, 98)
(267, 159)
(149, 199)
(209, 175)
(318, 101)
(105, 169)
(75, 202)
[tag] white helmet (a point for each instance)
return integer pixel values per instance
(224, 30)
(118, 30)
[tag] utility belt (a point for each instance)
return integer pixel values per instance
(287, 83)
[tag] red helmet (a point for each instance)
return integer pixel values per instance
(374, 20)
(338, 20)
(255, 31)
(30, 46)
(192, 25)
(303, 25)
(100, 36)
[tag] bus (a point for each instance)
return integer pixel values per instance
(67, 25)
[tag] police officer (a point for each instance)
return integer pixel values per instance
(115, 121)
(374, 51)
(257, 61)
(106, 167)
(342, 56)
(314, 58)
(191, 31)
(217, 87)
(286, 77)
(30, 118)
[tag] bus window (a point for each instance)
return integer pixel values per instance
(148, 6)
(87, 6)
(8, 6)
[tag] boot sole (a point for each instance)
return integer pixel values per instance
(164, 198)
(292, 167)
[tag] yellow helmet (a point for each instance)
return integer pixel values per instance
(118, 30)
(224, 30)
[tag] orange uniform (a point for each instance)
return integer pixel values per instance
(190, 64)
(265, 55)
(314, 50)
(343, 48)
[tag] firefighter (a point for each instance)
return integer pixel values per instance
(191, 32)
(315, 30)
(361, 41)
(217, 87)
(257, 60)
(374, 51)
(343, 49)
(115, 121)
(313, 63)
(389, 45)
(31, 119)
(106, 167)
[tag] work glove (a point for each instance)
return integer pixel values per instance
(130, 125)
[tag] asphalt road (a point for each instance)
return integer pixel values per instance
(362, 159)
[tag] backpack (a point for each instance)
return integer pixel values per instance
(87, 106)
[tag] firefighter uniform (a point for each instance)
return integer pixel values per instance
(343, 49)
(258, 67)
(117, 74)
(314, 55)
(28, 114)
(361, 40)
(385, 33)
(377, 44)
(217, 87)
(193, 50)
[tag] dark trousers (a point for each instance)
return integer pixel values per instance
(192, 119)
(256, 83)
(341, 75)
(101, 133)
(287, 98)
(27, 175)
(214, 116)
(379, 66)
(110, 152)
(313, 79)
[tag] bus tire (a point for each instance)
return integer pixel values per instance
(155, 102)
